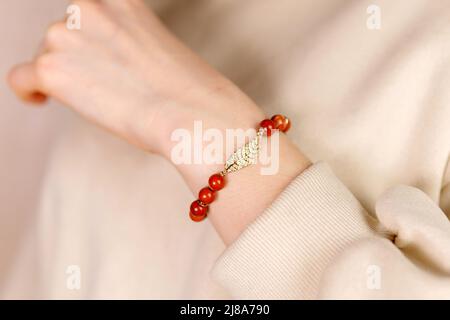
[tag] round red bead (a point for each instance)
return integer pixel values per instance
(216, 182)
(206, 195)
(287, 125)
(196, 218)
(269, 125)
(281, 122)
(278, 120)
(197, 209)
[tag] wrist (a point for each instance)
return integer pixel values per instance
(203, 119)
(219, 106)
(248, 192)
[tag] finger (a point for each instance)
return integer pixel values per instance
(25, 82)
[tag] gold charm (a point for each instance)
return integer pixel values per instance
(245, 156)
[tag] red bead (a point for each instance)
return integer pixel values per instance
(197, 209)
(206, 195)
(287, 125)
(268, 125)
(278, 121)
(281, 122)
(216, 182)
(196, 218)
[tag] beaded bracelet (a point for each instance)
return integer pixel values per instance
(242, 158)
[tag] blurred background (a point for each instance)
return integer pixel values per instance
(26, 135)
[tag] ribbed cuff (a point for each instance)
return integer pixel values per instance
(282, 255)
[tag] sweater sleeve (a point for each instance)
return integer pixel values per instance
(283, 254)
(444, 201)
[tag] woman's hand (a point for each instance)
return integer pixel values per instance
(126, 72)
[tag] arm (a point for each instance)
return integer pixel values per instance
(127, 73)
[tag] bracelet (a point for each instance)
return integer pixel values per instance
(242, 158)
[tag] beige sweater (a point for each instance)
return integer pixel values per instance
(368, 220)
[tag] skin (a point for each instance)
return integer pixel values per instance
(126, 72)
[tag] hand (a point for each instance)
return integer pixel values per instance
(126, 72)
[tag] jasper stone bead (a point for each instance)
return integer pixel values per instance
(281, 122)
(197, 209)
(216, 182)
(269, 125)
(196, 218)
(206, 195)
